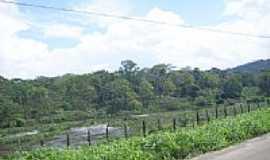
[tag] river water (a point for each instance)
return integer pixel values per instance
(78, 136)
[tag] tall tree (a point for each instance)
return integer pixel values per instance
(129, 70)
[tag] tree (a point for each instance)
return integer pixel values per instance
(10, 114)
(146, 93)
(190, 90)
(119, 96)
(80, 93)
(158, 75)
(232, 88)
(209, 80)
(181, 80)
(129, 70)
(21, 95)
(248, 80)
(130, 89)
(99, 79)
(264, 83)
(39, 100)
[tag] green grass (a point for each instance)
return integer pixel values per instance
(48, 129)
(183, 143)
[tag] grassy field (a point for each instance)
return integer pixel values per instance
(180, 144)
(153, 121)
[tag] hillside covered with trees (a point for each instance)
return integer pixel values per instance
(130, 90)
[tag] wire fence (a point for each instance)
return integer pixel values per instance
(144, 125)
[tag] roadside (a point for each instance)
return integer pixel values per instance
(254, 149)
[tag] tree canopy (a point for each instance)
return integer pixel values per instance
(130, 89)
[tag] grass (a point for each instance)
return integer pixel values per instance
(181, 144)
(46, 131)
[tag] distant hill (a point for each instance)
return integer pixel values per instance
(252, 67)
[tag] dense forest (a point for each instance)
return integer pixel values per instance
(130, 90)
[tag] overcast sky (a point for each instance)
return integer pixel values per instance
(36, 42)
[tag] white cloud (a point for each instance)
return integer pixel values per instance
(248, 9)
(142, 42)
(164, 16)
(16, 53)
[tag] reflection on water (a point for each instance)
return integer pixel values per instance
(78, 136)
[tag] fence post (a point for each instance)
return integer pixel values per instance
(159, 124)
(241, 109)
(249, 107)
(107, 132)
(89, 137)
(19, 144)
(234, 111)
(125, 130)
(216, 112)
(144, 128)
(68, 140)
(41, 143)
(174, 124)
(185, 120)
(207, 116)
(225, 112)
(198, 117)
(260, 105)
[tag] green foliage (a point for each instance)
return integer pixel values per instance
(264, 83)
(146, 92)
(10, 113)
(232, 88)
(183, 143)
(128, 90)
(119, 96)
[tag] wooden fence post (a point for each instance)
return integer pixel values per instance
(260, 105)
(174, 124)
(216, 112)
(159, 124)
(241, 109)
(207, 116)
(89, 137)
(144, 128)
(68, 140)
(41, 143)
(198, 117)
(107, 132)
(225, 111)
(185, 120)
(234, 111)
(249, 107)
(125, 130)
(19, 144)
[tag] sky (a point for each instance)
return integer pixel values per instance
(38, 42)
